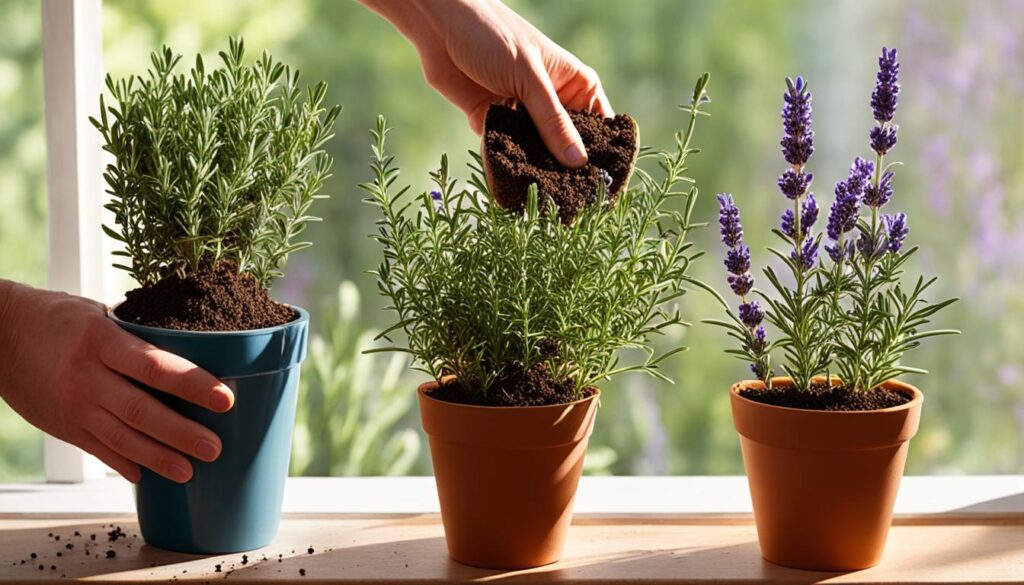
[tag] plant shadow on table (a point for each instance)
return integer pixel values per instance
(426, 559)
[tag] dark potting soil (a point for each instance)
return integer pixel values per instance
(514, 387)
(517, 158)
(218, 299)
(825, 397)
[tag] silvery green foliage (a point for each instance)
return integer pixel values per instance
(212, 166)
(355, 414)
(477, 288)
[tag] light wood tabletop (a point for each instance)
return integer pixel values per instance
(381, 548)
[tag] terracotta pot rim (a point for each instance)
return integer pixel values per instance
(917, 397)
(422, 390)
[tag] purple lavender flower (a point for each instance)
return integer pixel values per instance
(839, 255)
(896, 229)
(606, 178)
(845, 209)
(760, 342)
(808, 254)
(794, 184)
(808, 214)
(787, 223)
(751, 314)
(869, 246)
(878, 196)
(741, 284)
(758, 369)
(860, 175)
(435, 195)
(883, 138)
(737, 260)
(885, 97)
(798, 137)
(729, 221)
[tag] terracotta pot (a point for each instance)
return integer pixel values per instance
(823, 483)
(506, 477)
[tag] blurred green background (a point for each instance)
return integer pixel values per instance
(963, 186)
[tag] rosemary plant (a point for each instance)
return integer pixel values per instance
(851, 320)
(213, 166)
(477, 288)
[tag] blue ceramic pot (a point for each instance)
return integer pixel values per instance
(234, 503)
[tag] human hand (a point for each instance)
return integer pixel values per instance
(477, 52)
(65, 368)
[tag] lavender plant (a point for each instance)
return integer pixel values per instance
(850, 319)
(213, 166)
(479, 290)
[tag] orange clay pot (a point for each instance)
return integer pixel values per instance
(506, 477)
(823, 483)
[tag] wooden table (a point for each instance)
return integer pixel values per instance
(980, 544)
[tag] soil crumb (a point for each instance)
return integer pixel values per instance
(218, 299)
(825, 397)
(517, 158)
(515, 387)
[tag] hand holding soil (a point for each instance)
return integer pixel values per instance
(514, 158)
(67, 370)
(480, 52)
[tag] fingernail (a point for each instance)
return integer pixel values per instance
(206, 450)
(220, 399)
(575, 154)
(178, 473)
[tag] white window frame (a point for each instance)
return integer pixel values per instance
(79, 264)
(72, 40)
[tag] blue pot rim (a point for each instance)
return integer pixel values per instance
(302, 318)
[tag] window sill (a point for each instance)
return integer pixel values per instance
(375, 530)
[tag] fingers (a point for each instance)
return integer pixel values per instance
(582, 90)
(126, 468)
(458, 88)
(552, 121)
(126, 354)
(149, 416)
(136, 447)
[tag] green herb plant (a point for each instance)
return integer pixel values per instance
(478, 289)
(213, 166)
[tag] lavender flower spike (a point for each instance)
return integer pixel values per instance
(878, 196)
(751, 314)
(794, 184)
(798, 137)
(729, 221)
(884, 100)
(885, 97)
(896, 229)
(808, 214)
(843, 215)
(860, 175)
(808, 254)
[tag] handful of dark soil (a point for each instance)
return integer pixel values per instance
(824, 397)
(514, 387)
(218, 299)
(515, 157)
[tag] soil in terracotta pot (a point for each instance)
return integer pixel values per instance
(218, 299)
(517, 158)
(825, 397)
(514, 387)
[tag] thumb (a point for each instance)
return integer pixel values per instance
(553, 123)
